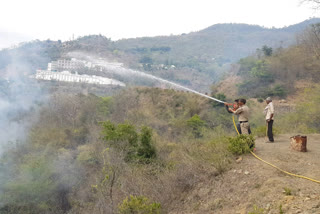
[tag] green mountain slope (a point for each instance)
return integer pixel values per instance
(227, 42)
(196, 59)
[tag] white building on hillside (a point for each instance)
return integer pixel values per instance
(65, 64)
(66, 76)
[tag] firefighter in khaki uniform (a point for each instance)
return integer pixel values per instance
(243, 112)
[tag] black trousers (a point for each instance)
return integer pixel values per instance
(270, 134)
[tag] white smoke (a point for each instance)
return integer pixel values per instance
(19, 95)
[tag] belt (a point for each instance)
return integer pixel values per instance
(244, 121)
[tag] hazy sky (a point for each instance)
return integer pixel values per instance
(60, 19)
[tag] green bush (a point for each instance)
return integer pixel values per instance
(146, 149)
(241, 144)
(139, 205)
(104, 105)
(122, 133)
(196, 124)
(267, 51)
(125, 137)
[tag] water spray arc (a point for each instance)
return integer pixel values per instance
(126, 71)
(187, 89)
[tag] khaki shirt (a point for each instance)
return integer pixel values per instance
(243, 113)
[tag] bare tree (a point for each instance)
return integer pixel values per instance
(106, 181)
(310, 40)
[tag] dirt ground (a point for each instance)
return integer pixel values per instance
(251, 183)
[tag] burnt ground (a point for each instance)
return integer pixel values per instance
(251, 183)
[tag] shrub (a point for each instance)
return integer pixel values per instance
(260, 100)
(196, 124)
(122, 133)
(139, 205)
(267, 51)
(126, 138)
(220, 156)
(146, 149)
(128, 132)
(104, 105)
(241, 144)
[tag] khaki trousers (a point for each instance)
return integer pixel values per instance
(244, 128)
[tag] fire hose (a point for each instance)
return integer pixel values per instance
(234, 123)
(270, 164)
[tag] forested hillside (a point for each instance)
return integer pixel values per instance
(88, 154)
(196, 59)
(145, 150)
(279, 72)
(221, 42)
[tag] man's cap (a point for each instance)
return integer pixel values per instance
(268, 99)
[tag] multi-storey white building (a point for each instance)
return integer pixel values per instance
(60, 71)
(76, 64)
(66, 76)
(64, 64)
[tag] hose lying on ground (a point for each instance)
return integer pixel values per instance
(215, 99)
(270, 164)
